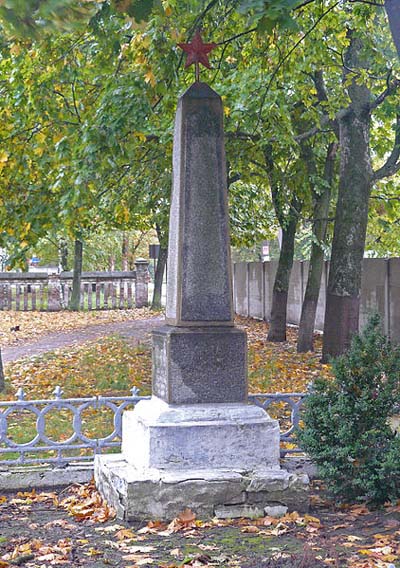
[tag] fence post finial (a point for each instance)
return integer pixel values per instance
(58, 392)
(20, 394)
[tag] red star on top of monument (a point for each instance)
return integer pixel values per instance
(197, 51)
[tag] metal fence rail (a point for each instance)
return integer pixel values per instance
(43, 449)
(78, 446)
(294, 400)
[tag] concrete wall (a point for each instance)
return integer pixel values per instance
(256, 289)
(380, 291)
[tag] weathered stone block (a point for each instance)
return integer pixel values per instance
(275, 510)
(204, 436)
(156, 494)
(238, 511)
(282, 487)
(199, 365)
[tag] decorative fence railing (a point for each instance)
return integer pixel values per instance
(57, 431)
(68, 419)
(98, 291)
(289, 417)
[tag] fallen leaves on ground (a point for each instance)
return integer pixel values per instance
(277, 367)
(75, 527)
(109, 366)
(85, 503)
(31, 325)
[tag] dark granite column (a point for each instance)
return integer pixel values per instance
(199, 357)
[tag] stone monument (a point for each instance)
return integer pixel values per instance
(197, 443)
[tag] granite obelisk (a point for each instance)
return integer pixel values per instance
(197, 442)
(199, 357)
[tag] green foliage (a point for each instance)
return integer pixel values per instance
(347, 421)
(101, 250)
(86, 116)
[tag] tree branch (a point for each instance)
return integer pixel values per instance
(390, 89)
(74, 101)
(238, 36)
(392, 164)
(287, 56)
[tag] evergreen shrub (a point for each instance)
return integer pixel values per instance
(347, 420)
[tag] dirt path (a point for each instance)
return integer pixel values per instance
(135, 331)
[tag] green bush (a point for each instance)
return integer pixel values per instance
(347, 429)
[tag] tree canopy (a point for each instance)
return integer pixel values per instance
(89, 92)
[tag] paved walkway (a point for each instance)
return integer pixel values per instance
(135, 331)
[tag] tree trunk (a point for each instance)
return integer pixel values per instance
(111, 263)
(2, 377)
(159, 278)
(63, 255)
(125, 251)
(75, 301)
(277, 329)
(355, 182)
(321, 211)
(288, 218)
(393, 13)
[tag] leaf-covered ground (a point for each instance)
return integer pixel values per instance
(109, 366)
(19, 327)
(74, 527)
(112, 365)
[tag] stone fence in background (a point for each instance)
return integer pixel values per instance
(30, 291)
(380, 291)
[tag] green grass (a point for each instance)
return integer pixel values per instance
(109, 367)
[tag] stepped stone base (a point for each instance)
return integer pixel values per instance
(216, 459)
(156, 494)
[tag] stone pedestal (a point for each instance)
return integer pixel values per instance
(217, 459)
(222, 436)
(200, 365)
(197, 443)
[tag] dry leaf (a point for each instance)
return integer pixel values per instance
(250, 529)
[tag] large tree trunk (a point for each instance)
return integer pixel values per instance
(75, 301)
(2, 377)
(343, 294)
(159, 278)
(320, 224)
(125, 251)
(277, 329)
(393, 13)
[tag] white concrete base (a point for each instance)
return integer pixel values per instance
(177, 437)
(155, 494)
(212, 458)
